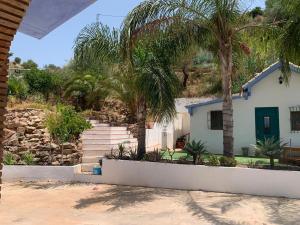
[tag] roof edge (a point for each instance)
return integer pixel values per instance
(267, 72)
(211, 102)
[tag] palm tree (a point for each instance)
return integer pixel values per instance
(87, 90)
(288, 41)
(214, 25)
(148, 71)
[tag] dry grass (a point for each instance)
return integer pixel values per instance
(14, 104)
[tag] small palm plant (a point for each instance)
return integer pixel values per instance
(28, 158)
(9, 159)
(196, 150)
(271, 148)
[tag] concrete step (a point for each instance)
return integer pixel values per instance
(96, 123)
(99, 128)
(96, 153)
(105, 147)
(92, 159)
(110, 132)
(100, 125)
(108, 141)
(105, 136)
(88, 167)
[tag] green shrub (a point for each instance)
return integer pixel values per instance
(9, 159)
(154, 156)
(17, 87)
(227, 161)
(123, 152)
(213, 160)
(183, 160)
(28, 158)
(66, 124)
(254, 164)
(42, 82)
(196, 150)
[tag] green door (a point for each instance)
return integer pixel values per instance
(267, 123)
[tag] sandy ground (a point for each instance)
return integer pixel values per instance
(52, 203)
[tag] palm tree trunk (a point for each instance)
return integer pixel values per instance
(7, 34)
(225, 56)
(141, 118)
(186, 75)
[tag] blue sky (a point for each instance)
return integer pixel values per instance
(56, 48)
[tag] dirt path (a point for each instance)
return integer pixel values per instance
(86, 204)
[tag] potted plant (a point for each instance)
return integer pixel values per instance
(180, 142)
(149, 125)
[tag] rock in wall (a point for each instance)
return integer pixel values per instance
(26, 132)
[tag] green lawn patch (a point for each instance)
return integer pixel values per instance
(240, 159)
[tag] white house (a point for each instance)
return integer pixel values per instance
(266, 107)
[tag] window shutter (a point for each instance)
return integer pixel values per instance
(208, 121)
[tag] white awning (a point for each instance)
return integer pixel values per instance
(43, 16)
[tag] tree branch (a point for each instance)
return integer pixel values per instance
(258, 25)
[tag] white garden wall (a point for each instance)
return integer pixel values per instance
(31, 173)
(189, 177)
(173, 176)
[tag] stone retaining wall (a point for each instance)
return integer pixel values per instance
(26, 132)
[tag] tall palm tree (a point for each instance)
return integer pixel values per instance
(213, 24)
(152, 81)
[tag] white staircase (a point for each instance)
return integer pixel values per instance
(100, 140)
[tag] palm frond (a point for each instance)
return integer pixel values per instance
(96, 44)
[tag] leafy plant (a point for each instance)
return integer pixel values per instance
(154, 156)
(28, 158)
(196, 150)
(271, 148)
(66, 124)
(254, 164)
(17, 87)
(227, 161)
(171, 152)
(87, 91)
(133, 153)
(213, 160)
(122, 150)
(40, 81)
(9, 159)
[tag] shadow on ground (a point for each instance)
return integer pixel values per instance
(215, 208)
(200, 209)
(45, 185)
(282, 210)
(118, 197)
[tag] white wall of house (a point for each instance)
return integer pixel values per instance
(267, 93)
(165, 134)
(180, 125)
